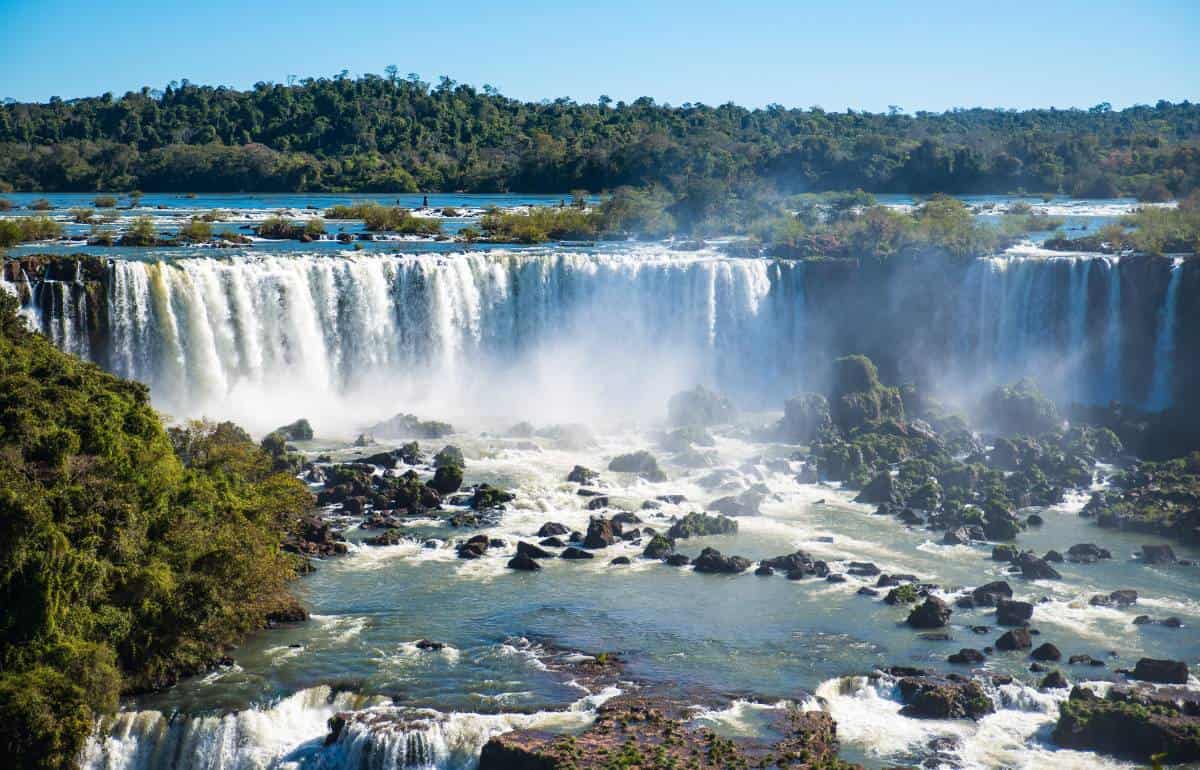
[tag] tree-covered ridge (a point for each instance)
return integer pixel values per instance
(394, 134)
(129, 556)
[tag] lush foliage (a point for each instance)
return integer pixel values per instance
(21, 229)
(1149, 230)
(396, 134)
(122, 566)
(379, 218)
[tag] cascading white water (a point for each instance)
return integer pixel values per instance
(291, 735)
(1164, 349)
(263, 337)
(1113, 333)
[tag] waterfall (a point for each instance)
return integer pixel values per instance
(1113, 333)
(294, 734)
(1077, 304)
(1164, 348)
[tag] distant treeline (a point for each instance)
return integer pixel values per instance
(401, 134)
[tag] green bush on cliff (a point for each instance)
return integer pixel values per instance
(122, 564)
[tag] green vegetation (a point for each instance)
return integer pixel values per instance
(130, 556)
(195, 231)
(379, 218)
(140, 233)
(104, 201)
(23, 229)
(539, 224)
(1149, 230)
(402, 134)
(281, 228)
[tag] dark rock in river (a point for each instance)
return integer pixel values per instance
(1012, 613)
(600, 534)
(552, 542)
(659, 547)
(1016, 639)
(677, 560)
(1046, 652)
(989, 593)
(447, 479)
(1161, 671)
(711, 560)
(1131, 724)
(934, 613)
(532, 551)
(1055, 680)
(805, 417)
(744, 504)
(1034, 568)
(1087, 553)
(967, 656)
(701, 525)
(523, 562)
(553, 528)
(1158, 554)
(582, 475)
(931, 697)
(576, 553)
(642, 463)
(881, 489)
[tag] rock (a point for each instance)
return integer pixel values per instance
(1004, 553)
(523, 562)
(1158, 554)
(798, 561)
(966, 656)
(1011, 613)
(659, 547)
(881, 489)
(1087, 553)
(1076, 660)
(576, 553)
(1054, 681)
(1016, 639)
(1124, 597)
(300, 430)
(805, 417)
(1046, 652)
(764, 570)
(989, 593)
(1033, 568)
(1161, 671)
(486, 496)
(552, 528)
(552, 542)
(1131, 725)
(934, 613)
(744, 504)
(532, 551)
(701, 525)
(600, 534)
(700, 407)
(677, 560)
(1034, 520)
(430, 646)
(712, 561)
(835, 578)
(863, 569)
(962, 535)
(642, 463)
(864, 591)
(447, 479)
(1053, 557)
(582, 475)
(929, 697)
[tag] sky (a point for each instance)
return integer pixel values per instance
(916, 55)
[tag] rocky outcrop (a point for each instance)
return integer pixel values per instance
(1133, 724)
(701, 525)
(713, 561)
(700, 407)
(642, 463)
(927, 696)
(934, 613)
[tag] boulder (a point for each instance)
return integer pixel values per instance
(600, 534)
(1130, 725)
(1013, 613)
(552, 528)
(1016, 639)
(447, 479)
(659, 547)
(930, 697)
(642, 463)
(576, 553)
(881, 489)
(701, 525)
(582, 475)
(1161, 671)
(677, 560)
(1087, 553)
(1046, 652)
(805, 418)
(933, 613)
(712, 561)
(1034, 568)
(523, 562)
(989, 593)
(1158, 554)
(966, 656)
(532, 551)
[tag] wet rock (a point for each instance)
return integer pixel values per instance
(934, 613)
(713, 561)
(864, 591)
(1013, 613)
(387, 537)
(600, 534)
(552, 542)
(659, 547)
(805, 417)
(677, 560)
(1034, 520)
(1087, 553)
(1046, 652)
(1158, 554)
(1003, 553)
(532, 551)
(447, 479)
(966, 656)
(1080, 660)
(989, 593)
(880, 489)
(1055, 680)
(642, 463)
(1129, 724)
(620, 560)
(552, 528)
(862, 569)
(701, 525)
(430, 646)
(486, 496)
(1054, 557)
(835, 578)
(671, 499)
(1034, 568)
(523, 562)
(576, 553)
(798, 561)
(1161, 671)
(930, 697)
(744, 504)
(963, 535)
(582, 475)
(1016, 639)
(597, 502)
(764, 570)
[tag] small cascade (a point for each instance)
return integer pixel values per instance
(1113, 333)
(1164, 349)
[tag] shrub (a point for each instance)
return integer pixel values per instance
(83, 216)
(140, 233)
(195, 231)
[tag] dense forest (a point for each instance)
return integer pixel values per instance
(401, 134)
(130, 555)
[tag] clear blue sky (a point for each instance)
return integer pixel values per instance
(865, 55)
